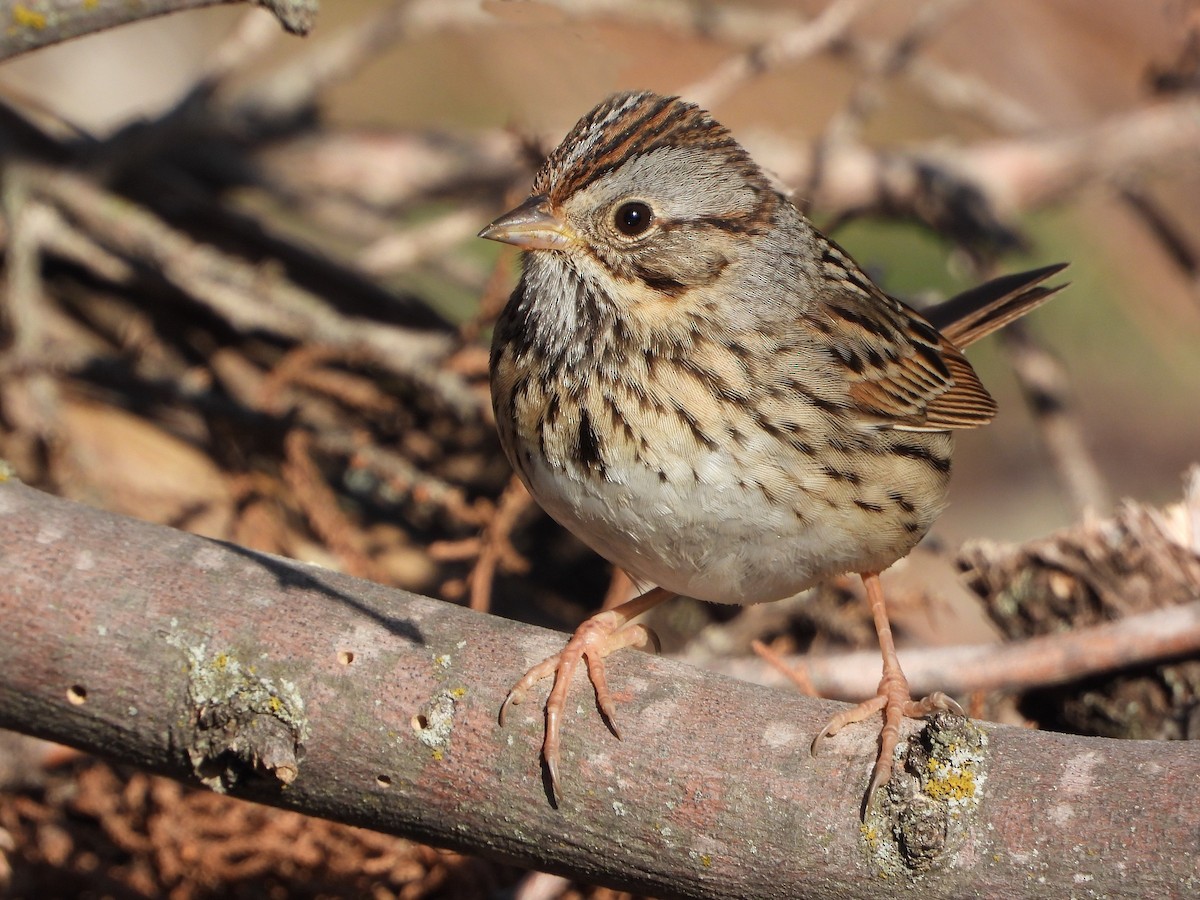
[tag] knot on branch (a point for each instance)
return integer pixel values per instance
(240, 723)
(926, 814)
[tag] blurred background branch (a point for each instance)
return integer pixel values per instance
(29, 26)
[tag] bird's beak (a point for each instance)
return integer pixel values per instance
(531, 226)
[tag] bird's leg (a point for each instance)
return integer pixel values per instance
(893, 697)
(593, 640)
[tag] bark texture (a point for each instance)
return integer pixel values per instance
(297, 686)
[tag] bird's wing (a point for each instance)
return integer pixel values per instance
(902, 372)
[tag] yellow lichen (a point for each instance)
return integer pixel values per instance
(951, 786)
(458, 693)
(28, 18)
(952, 772)
(438, 755)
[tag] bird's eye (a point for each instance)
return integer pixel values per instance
(633, 218)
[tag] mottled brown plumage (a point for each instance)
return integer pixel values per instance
(712, 394)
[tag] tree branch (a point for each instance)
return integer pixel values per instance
(303, 688)
(31, 25)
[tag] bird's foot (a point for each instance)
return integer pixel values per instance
(596, 638)
(897, 704)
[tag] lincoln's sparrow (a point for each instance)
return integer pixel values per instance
(712, 394)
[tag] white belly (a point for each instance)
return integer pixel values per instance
(717, 540)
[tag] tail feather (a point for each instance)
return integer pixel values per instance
(976, 313)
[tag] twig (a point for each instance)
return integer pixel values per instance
(791, 46)
(259, 522)
(402, 477)
(1179, 247)
(496, 545)
(1033, 173)
(242, 47)
(847, 123)
(732, 23)
(31, 398)
(1138, 560)
(881, 68)
(542, 886)
(249, 297)
(1123, 568)
(950, 89)
(1047, 393)
(320, 505)
(293, 88)
(1018, 666)
(379, 173)
(1010, 175)
(304, 367)
(405, 249)
(797, 674)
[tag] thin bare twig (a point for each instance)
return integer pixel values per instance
(880, 68)
(948, 88)
(791, 46)
(320, 505)
(402, 477)
(1179, 247)
(293, 88)
(796, 673)
(1018, 666)
(1141, 567)
(31, 396)
(496, 547)
(405, 249)
(1010, 175)
(1048, 395)
(962, 93)
(846, 124)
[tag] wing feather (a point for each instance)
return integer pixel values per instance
(903, 372)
